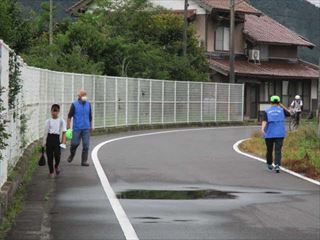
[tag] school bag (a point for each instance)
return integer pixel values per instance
(42, 160)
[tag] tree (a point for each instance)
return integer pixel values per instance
(15, 28)
(131, 39)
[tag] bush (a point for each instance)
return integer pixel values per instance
(134, 40)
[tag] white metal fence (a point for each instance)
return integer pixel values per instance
(116, 101)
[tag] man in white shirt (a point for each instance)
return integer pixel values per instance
(296, 107)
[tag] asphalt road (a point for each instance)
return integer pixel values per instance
(263, 205)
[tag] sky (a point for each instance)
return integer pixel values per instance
(315, 2)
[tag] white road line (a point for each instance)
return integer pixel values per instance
(236, 148)
(123, 220)
(122, 217)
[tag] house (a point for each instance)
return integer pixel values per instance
(266, 52)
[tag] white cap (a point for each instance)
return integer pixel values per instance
(297, 97)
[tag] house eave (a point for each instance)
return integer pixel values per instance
(82, 4)
(278, 43)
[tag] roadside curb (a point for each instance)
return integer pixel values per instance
(237, 149)
(108, 130)
(10, 187)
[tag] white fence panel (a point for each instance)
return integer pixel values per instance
(116, 101)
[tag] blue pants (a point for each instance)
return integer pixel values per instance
(277, 143)
(77, 136)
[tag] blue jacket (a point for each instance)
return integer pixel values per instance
(275, 125)
(81, 116)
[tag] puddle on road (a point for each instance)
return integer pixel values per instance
(175, 194)
(182, 220)
(269, 192)
(149, 218)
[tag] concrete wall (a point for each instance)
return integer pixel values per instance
(314, 94)
(200, 26)
(239, 39)
(314, 89)
(212, 26)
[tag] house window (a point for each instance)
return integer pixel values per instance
(222, 39)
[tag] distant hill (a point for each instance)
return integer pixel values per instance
(299, 16)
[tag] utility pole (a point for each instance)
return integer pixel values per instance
(185, 37)
(231, 42)
(319, 101)
(51, 23)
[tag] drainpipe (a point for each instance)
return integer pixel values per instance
(231, 42)
(51, 23)
(185, 37)
(206, 31)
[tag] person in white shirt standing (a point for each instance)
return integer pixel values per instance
(54, 139)
(296, 107)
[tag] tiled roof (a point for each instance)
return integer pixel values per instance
(81, 4)
(241, 6)
(272, 68)
(190, 13)
(266, 30)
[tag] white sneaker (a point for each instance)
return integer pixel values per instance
(63, 146)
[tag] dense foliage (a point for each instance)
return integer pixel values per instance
(133, 39)
(14, 79)
(15, 28)
(298, 15)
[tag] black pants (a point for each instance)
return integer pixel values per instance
(297, 117)
(53, 150)
(277, 142)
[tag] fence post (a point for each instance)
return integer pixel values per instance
(72, 86)
(138, 103)
(188, 103)
(116, 103)
(104, 101)
(126, 101)
(201, 102)
(62, 93)
(94, 101)
(46, 90)
(229, 99)
(162, 105)
(82, 82)
(175, 103)
(39, 102)
(215, 102)
(150, 105)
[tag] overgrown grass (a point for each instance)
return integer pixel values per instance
(300, 153)
(16, 206)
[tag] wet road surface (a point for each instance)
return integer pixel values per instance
(264, 205)
(181, 185)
